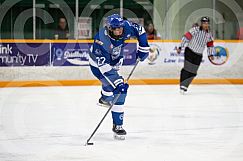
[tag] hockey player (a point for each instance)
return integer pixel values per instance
(195, 40)
(106, 58)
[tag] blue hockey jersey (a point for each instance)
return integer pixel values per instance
(107, 53)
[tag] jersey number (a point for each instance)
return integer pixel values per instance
(139, 28)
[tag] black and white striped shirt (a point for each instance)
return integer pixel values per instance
(197, 39)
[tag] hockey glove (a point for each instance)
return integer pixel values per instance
(121, 88)
(141, 55)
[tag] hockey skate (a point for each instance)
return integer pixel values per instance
(104, 103)
(183, 90)
(119, 132)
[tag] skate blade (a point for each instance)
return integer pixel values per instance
(182, 92)
(102, 105)
(119, 137)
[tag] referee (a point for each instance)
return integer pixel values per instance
(195, 40)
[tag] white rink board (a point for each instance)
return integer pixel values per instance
(160, 70)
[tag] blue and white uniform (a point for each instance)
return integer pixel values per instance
(106, 58)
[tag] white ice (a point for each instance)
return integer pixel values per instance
(53, 123)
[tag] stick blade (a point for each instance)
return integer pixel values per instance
(87, 143)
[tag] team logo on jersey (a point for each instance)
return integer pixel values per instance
(116, 51)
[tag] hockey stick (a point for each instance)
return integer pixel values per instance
(114, 101)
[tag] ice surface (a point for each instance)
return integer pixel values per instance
(53, 123)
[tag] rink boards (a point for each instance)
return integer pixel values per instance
(65, 62)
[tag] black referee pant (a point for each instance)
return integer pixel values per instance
(191, 64)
